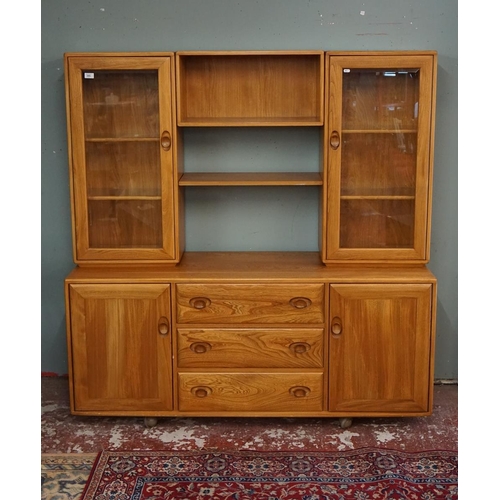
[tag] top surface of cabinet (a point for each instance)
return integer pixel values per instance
(250, 88)
(256, 267)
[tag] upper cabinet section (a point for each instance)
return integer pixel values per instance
(122, 154)
(378, 162)
(127, 113)
(216, 89)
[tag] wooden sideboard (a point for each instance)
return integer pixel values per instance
(154, 330)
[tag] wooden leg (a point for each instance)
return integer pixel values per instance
(345, 422)
(150, 421)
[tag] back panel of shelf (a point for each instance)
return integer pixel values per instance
(248, 218)
(252, 156)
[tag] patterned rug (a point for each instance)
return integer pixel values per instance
(64, 475)
(348, 475)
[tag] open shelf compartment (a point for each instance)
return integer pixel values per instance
(250, 88)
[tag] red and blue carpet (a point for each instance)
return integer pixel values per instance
(357, 474)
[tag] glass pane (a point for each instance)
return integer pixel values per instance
(380, 99)
(122, 148)
(120, 104)
(125, 223)
(376, 223)
(379, 157)
(379, 164)
(123, 168)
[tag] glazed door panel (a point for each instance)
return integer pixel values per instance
(380, 348)
(121, 347)
(379, 143)
(121, 115)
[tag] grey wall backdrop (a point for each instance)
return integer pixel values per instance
(237, 218)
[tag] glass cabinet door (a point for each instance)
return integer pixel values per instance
(379, 146)
(121, 122)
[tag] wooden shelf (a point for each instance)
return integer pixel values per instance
(369, 197)
(379, 131)
(122, 198)
(250, 122)
(251, 179)
(122, 139)
(374, 193)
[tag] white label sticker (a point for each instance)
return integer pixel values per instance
(347, 70)
(88, 75)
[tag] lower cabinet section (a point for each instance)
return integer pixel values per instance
(380, 348)
(317, 341)
(120, 347)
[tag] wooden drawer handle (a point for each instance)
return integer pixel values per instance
(200, 347)
(201, 391)
(299, 347)
(300, 302)
(199, 302)
(163, 326)
(300, 391)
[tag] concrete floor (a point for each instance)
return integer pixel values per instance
(65, 433)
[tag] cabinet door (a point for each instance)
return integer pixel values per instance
(381, 348)
(120, 348)
(379, 157)
(121, 130)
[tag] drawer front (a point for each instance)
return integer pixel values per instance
(234, 304)
(250, 348)
(252, 392)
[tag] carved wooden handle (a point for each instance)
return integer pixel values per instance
(300, 391)
(199, 302)
(299, 347)
(163, 326)
(336, 326)
(300, 302)
(201, 391)
(166, 141)
(335, 140)
(200, 347)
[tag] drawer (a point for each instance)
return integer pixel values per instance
(250, 348)
(251, 392)
(237, 303)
